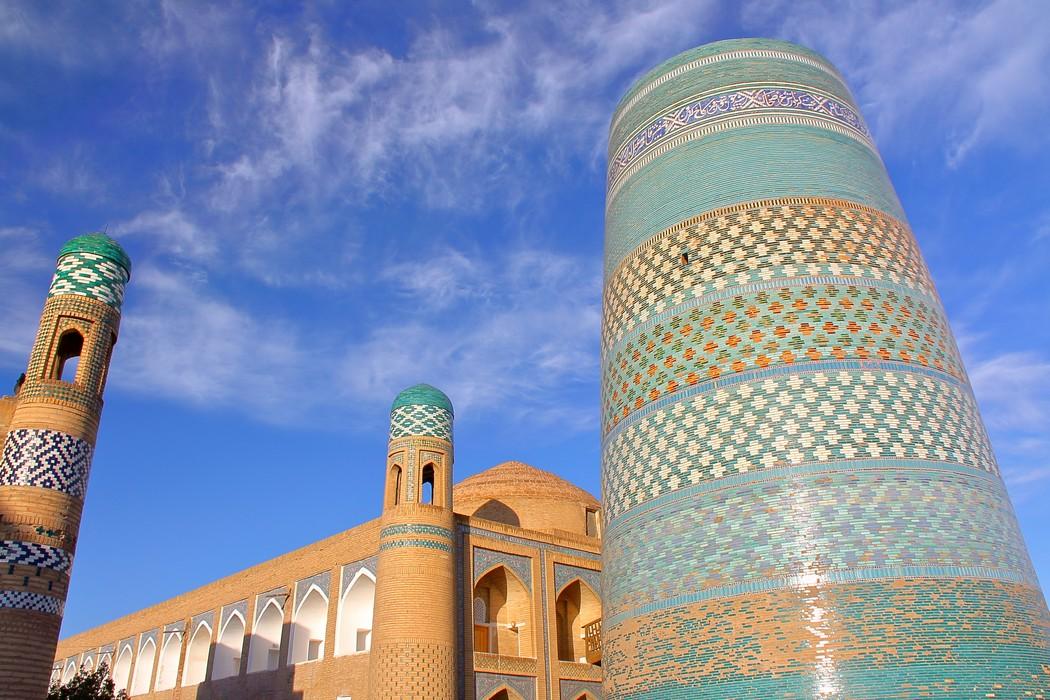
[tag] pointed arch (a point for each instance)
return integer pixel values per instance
(264, 650)
(195, 670)
(89, 665)
(393, 485)
(502, 598)
(56, 675)
(69, 671)
(584, 695)
(168, 668)
(504, 692)
(228, 649)
(354, 619)
(309, 624)
(122, 669)
(428, 484)
(576, 605)
(106, 660)
(143, 676)
(67, 355)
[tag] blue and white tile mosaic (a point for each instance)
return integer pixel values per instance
(46, 458)
(33, 554)
(26, 600)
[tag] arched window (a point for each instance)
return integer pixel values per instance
(69, 671)
(144, 668)
(195, 669)
(169, 660)
(577, 605)
(67, 356)
(395, 482)
(426, 487)
(264, 652)
(228, 651)
(354, 634)
(308, 627)
(503, 615)
(122, 670)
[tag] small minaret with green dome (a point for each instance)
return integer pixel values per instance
(414, 629)
(49, 429)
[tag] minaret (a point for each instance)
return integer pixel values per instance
(801, 497)
(47, 456)
(414, 631)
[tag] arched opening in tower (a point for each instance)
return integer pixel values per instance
(67, 356)
(426, 489)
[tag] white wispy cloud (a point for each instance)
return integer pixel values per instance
(25, 271)
(173, 231)
(961, 74)
(1014, 389)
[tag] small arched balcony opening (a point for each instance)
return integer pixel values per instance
(228, 651)
(195, 670)
(393, 498)
(426, 484)
(354, 628)
(122, 669)
(69, 671)
(308, 627)
(168, 670)
(264, 651)
(144, 668)
(576, 605)
(67, 356)
(502, 614)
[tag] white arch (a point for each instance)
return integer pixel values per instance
(122, 669)
(56, 675)
(195, 670)
(89, 665)
(69, 671)
(228, 650)
(143, 675)
(168, 670)
(106, 660)
(354, 619)
(309, 623)
(264, 650)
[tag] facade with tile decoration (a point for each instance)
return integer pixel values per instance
(800, 499)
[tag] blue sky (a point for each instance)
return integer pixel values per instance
(327, 203)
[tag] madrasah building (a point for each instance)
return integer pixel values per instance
(799, 496)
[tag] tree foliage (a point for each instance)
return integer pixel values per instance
(87, 685)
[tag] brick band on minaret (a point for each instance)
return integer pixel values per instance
(801, 498)
(50, 426)
(414, 627)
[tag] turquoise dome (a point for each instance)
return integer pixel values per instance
(99, 244)
(422, 395)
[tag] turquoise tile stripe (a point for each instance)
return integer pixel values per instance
(742, 165)
(413, 529)
(419, 544)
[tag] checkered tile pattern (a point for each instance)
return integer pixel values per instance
(90, 275)
(25, 600)
(32, 554)
(417, 419)
(48, 459)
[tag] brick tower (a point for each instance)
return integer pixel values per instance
(800, 494)
(50, 426)
(414, 630)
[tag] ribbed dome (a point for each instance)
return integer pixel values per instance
(99, 244)
(422, 395)
(519, 480)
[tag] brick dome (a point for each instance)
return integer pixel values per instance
(519, 494)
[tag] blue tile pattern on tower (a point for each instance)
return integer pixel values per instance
(90, 275)
(47, 459)
(800, 497)
(419, 419)
(27, 600)
(33, 554)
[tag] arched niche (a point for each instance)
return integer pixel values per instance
(195, 670)
(309, 623)
(168, 670)
(140, 682)
(69, 671)
(122, 669)
(576, 605)
(228, 649)
(498, 511)
(264, 650)
(502, 614)
(504, 694)
(354, 629)
(88, 666)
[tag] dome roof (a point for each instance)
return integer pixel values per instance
(519, 480)
(422, 395)
(99, 244)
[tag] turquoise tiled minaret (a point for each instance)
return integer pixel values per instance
(800, 494)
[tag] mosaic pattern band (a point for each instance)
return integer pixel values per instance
(791, 450)
(27, 600)
(421, 420)
(33, 554)
(91, 275)
(419, 544)
(47, 459)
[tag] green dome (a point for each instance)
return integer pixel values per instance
(99, 244)
(422, 395)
